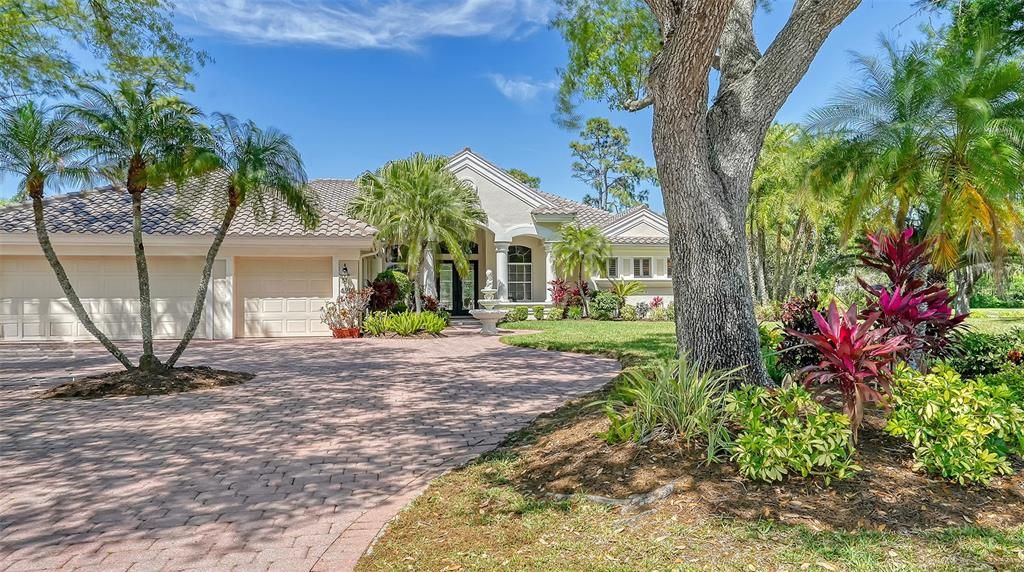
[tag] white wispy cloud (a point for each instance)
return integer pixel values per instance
(355, 24)
(520, 88)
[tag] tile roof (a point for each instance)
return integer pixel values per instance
(107, 210)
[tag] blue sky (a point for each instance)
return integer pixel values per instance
(360, 82)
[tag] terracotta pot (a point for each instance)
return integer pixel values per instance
(345, 332)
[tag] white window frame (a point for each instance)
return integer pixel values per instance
(517, 269)
(611, 263)
(638, 264)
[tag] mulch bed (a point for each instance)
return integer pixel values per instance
(137, 382)
(886, 495)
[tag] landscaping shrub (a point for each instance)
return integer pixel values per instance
(786, 432)
(770, 336)
(412, 323)
(642, 310)
(375, 324)
(979, 354)
(657, 302)
(623, 289)
(770, 312)
(797, 316)
(385, 295)
(517, 314)
(629, 313)
(538, 312)
(1012, 378)
(672, 399)
(574, 313)
(568, 294)
(960, 429)
(659, 314)
(403, 324)
(855, 356)
(604, 306)
(400, 279)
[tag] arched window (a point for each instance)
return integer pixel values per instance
(520, 273)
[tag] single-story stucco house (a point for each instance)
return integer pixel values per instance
(271, 277)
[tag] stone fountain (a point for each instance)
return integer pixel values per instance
(488, 316)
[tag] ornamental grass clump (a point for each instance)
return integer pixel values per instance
(960, 429)
(673, 399)
(784, 432)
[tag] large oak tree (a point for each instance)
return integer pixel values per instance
(661, 54)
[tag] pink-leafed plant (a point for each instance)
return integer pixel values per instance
(657, 302)
(910, 306)
(856, 358)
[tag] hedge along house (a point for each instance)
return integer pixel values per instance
(271, 277)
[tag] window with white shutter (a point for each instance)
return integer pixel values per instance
(642, 267)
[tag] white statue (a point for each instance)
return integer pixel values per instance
(489, 284)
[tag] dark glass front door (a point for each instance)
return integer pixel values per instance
(454, 291)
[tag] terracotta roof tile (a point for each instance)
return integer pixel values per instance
(108, 211)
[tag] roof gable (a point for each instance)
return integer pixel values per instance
(467, 159)
(639, 222)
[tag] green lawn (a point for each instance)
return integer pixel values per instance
(630, 342)
(996, 320)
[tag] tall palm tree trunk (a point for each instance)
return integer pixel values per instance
(65, 283)
(204, 283)
(148, 361)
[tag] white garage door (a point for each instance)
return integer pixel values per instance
(33, 307)
(282, 297)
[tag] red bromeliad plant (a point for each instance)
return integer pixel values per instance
(909, 306)
(856, 358)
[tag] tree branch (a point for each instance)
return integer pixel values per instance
(737, 49)
(790, 54)
(638, 104)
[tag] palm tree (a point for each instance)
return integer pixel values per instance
(141, 137)
(263, 170)
(417, 202)
(41, 146)
(581, 252)
(934, 140)
(788, 204)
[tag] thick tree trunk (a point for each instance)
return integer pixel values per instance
(706, 155)
(204, 282)
(148, 361)
(714, 316)
(65, 284)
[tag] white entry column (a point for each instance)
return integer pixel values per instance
(429, 277)
(549, 268)
(501, 261)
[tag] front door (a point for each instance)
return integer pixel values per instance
(456, 292)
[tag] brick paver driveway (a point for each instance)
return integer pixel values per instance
(295, 470)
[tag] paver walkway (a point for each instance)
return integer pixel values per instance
(296, 470)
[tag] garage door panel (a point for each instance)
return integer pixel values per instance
(282, 296)
(32, 304)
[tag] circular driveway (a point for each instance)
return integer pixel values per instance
(296, 470)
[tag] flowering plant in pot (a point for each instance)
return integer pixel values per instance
(342, 315)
